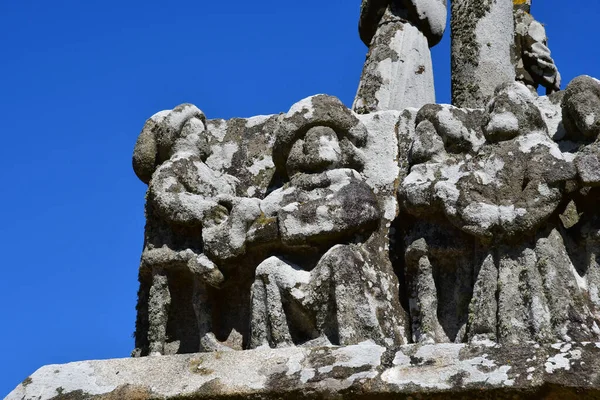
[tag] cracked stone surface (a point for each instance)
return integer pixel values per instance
(363, 371)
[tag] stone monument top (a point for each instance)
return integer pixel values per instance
(395, 248)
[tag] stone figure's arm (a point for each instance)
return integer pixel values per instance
(197, 264)
(429, 16)
(346, 210)
(228, 239)
(537, 57)
(171, 200)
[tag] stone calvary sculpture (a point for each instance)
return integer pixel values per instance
(397, 248)
(246, 248)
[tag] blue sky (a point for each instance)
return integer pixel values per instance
(77, 81)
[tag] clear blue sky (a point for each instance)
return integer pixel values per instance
(77, 81)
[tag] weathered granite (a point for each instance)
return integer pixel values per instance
(492, 252)
(365, 371)
(534, 65)
(385, 251)
(274, 246)
(398, 72)
(482, 49)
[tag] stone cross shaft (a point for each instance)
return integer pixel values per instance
(482, 49)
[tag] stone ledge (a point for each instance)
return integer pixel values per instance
(366, 371)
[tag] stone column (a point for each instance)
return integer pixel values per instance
(398, 72)
(482, 49)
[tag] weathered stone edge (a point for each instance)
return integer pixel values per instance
(449, 371)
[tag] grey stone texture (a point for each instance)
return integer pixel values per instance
(271, 231)
(430, 372)
(398, 72)
(534, 65)
(580, 113)
(498, 248)
(200, 171)
(399, 249)
(483, 50)
(433, 225)
(494, 43)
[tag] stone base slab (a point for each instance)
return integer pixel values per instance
(365, 371)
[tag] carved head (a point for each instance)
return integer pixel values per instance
(317, 134)
(511, 112)
(581, 109)
(165, 133)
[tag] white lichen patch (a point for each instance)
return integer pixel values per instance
(263, 163)
(217, 128)
(503, 122)
(222, 155)
(528, 142)
(407, 79)
(453, 125)
(64, 380)
(292, 227)
(159, 116)
(256, 120)
(329, 149)
(489, 171)
(486, 215)
(304, 107)
(589, 119)
(441, 366)
(559, 361)
(435, 13)
(381, 169)
(341, 177)
(563, 359)
(552, 115)
(365, 354)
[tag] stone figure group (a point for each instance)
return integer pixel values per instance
(397, 221)
(223, 269)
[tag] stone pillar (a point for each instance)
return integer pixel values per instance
(482, 49)
(398, 72)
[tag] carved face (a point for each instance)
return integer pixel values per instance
(318, 151)
(511, 112)
(503, 121)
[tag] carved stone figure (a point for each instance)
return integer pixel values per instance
(183, 196)
(487, 257)
(581, 109)
(217, 240)
(398, 72)
(534, 64)
(189, 163)
(580, 218)
(325, 212)
(367, 237)
(316, 235)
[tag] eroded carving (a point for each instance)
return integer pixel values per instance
(534, 65)
(488, 256)
(398, 72)
(328, 226)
